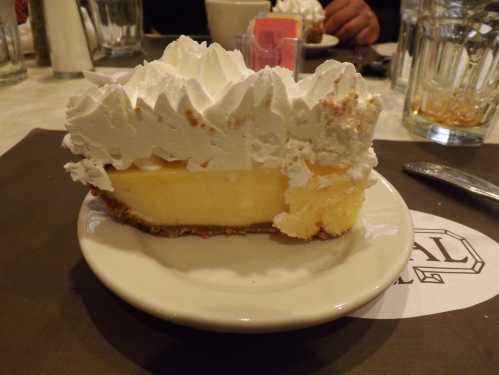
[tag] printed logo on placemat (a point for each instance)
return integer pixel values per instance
(451, 267)
(437, 252)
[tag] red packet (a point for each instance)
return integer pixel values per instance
(274, 41)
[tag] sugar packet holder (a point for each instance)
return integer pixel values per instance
(273, 41)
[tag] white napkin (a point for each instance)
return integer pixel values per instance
(26, 37)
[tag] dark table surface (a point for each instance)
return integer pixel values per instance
(57, 318)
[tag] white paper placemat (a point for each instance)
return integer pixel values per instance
(452, 267)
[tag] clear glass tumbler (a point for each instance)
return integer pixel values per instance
(12, 68)
(454, 84)
(402, 59)
(119, 25)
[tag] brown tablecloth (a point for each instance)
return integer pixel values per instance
(57, 318)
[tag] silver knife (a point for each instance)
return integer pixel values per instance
(456, 177)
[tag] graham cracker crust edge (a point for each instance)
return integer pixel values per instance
(122, 213)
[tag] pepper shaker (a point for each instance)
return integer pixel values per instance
(40, 44)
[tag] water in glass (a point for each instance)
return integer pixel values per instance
(402, 60)
(454, 84)
(12, 68)
(119, 25)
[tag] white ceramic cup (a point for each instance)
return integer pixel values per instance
(227, 19)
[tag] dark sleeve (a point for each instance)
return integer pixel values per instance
(388, 13)
(175, 17)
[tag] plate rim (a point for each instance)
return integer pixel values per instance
(252, 325)
(319, 46)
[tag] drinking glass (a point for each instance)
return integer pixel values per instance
(402, 59)
(12, 68)
(454, 83)
(119, 25)
(229, 18)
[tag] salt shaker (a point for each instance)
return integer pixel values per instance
(69, 48)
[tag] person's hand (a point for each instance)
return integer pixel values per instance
(352, 21)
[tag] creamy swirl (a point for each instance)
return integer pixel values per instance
(309, 10)
(203, 106)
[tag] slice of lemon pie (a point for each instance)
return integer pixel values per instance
(196, 142)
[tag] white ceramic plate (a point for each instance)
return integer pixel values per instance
(252, 283)
(328, 41)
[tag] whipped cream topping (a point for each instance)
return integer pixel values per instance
(203, 106)
(309, 10)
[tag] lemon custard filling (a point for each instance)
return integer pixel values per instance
(171, 195)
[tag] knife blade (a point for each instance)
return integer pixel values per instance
(464, 180)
